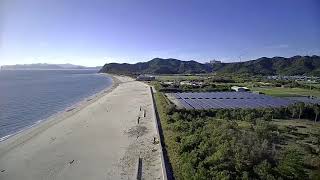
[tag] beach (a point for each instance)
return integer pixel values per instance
(102, 138)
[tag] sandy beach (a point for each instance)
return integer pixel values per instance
(102, 138)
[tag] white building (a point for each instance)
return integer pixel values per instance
(240, 89)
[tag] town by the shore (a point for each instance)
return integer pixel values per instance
(103, 138)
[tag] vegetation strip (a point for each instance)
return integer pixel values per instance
(166, 167)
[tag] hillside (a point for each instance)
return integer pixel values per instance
(296, 65)
(158, 66)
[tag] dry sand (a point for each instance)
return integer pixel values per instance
(100, 139)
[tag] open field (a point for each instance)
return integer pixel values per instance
(299, 134)
(316, 85)
(286, 92)
(303, 135)
(299, 131)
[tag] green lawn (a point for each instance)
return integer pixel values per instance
(285, 92)
(316, 85)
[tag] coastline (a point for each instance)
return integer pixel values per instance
(10, 141)
(101, 139)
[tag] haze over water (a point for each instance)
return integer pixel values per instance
(27, 97)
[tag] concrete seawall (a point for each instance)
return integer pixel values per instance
(165, 163)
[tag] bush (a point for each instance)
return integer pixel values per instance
(291, 165)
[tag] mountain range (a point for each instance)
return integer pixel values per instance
(296, 65)
(44, 66)
(158, 66)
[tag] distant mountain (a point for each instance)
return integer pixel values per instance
(44, 66)
(296, 65)
(158, 66)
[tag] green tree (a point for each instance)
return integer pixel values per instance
(264, 170)
(267, 115)
(316, 110)
(293, 111)
(301, 107)
(291, 165)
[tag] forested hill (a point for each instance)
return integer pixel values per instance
(296, 65)
(158, 66)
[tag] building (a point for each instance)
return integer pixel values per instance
(186, 83)
(168, 83)
(240, 89)
(295, 78)
(214, 61)
(191, 83)
(145, 77)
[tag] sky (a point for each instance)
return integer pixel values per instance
(95, 32)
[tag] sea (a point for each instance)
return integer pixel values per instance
(29, 97)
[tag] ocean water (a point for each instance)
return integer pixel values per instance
(29, 97)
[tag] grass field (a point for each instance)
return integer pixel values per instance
(303, 135)
(316, 85)
(285, 92)
(299, 134)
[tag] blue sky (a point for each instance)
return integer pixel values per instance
(94, 32)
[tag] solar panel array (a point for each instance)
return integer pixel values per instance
(305, 100)
(228, 100)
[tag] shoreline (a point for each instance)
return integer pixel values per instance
(102, 140)
(12, 140)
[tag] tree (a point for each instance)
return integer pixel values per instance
(264, 170)
(293, 111)
(291, 165)
(301, 108)
(316, 110)
(267, 115)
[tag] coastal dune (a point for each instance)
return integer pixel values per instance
(104, 139)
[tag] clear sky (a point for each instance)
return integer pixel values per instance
(94, 32)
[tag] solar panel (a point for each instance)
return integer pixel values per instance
(221, 103)
(306, 100)
(212, 104)
(203, 104)
(194, 104)
(227, 100)
(185, 104)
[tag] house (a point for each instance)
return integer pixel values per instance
(214, 61)
(191, 83)
(145, 77)
(240, 89)
(168, 83)
(186, 83)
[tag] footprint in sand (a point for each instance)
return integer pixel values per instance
(52, 139)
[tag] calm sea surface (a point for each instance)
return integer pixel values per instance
(27, 97)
